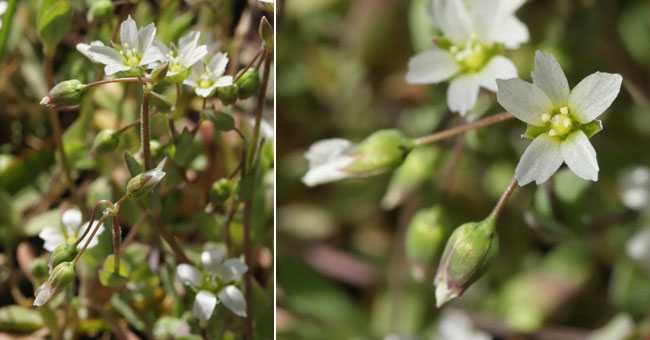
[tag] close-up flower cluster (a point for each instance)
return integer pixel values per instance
(136, 169)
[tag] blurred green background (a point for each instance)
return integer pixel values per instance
(562, 270)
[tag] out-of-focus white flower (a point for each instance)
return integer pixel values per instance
(328, 160)
(188, 53)
(638, 246)
(3, 9)
(634, 187)
(560, 120)
(205, 78)
(620, 327)
(83, 49)
(469, 52)
(219, 287)
(70, 232)
(456, 325)
(136, 49)
(266, 128)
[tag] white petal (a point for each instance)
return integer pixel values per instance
(511, 32)
(188, 42)
(524, 100)
(511, 6)
(204, 305)
(83, 48)
(205, 93)
(164, 50)
(3, 7)
(112, 69)
(462, 93)
(485, 15)
(53, 238)
(231, 270)
(194, 55)
(218, 63)
(107, 56)
(327, 161)
(549, 77)
(188, 275)
(431, 67)
(95, 239)
(444, 294)
(540, 161)
(212, 258)
(223, 81)
(580, 156)
(499, 67)
(43, 294)
(151, 54)
(145, 37)
(593, 95)
(71, 218)
(129, 33)
(234, 300)
(452, 17)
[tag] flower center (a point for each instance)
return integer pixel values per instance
(204, 83)
(175, 64)
(131, 56)
(560, 124)
(472, 56)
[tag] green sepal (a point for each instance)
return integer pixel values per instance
(381, 151)
(592, 128)
(533, 131)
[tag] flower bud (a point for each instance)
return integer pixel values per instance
(425, 235)
(266, 33)
(381, 151)
(228, 94)
(100, 10)
(65, 93)
(160, 72)
(220, 191)
(144, 182)
(39, 269)
(471, 248)
(63, 253)
(249, 83)
(105, 141)
(61, 276)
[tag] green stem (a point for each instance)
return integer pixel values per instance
(144, 129)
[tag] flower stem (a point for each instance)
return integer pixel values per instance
(90, 238)
(118, 80)
(132, 124)
(250, 64)
(463, 128)
(92, 220)
(259, 107)
(504, 198)
(117, 236)
(144, 129)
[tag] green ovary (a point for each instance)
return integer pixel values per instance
(176, 68)
(559, 123)
(204, 83)
(131, 56)
(473, 56)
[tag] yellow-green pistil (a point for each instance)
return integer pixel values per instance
(559, 123)
(131, 56)
(473, 56)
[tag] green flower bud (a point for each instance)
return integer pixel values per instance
(470, 250)
(249, 83)
(65, 93)
(39, 269)
(160, 72)
(100, 10)
(61, 276)
(63, 253)
(266, 33)
(105, 141)
(144, 182)
(425, 235)
(220, 191)
(228, 94)
(381, 151)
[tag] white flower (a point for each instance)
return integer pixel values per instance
(560, 120)
(469, 52)
(83, 49)
(205, 78)
(189, 52)
(215, 267)
(3, 9)
(456, 325)
(137, 49)
(328, 160)
(266, 128)
(70, 232)
(634, 187)
(638, 246)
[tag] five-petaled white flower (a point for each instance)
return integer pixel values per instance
(70, 232)
(217, 277)
(136, 49)
(205, 78)
(3, 9)
(328, 160)
(561, 121)
(188, 53)
(469, 52)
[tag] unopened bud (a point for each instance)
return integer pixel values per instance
(60, 277)
(39, 269)
(220, 191)
(63, 253)
(105, 141)
(470, 250)
(249, 83)
(100, 10)
(381, 151)
(228, 94)
(65, 93)
(266, 33)
(160, 72)
(425, 235)
(144, 182)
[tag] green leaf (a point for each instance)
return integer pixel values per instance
(222, 121)
(38, 222)
(109, 278)
(19, 319)
(53, 23)
(133, 165)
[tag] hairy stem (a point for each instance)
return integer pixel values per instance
(117, 236)
(144, 129)
(96, 228)
(132, 124)
(463, 128)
